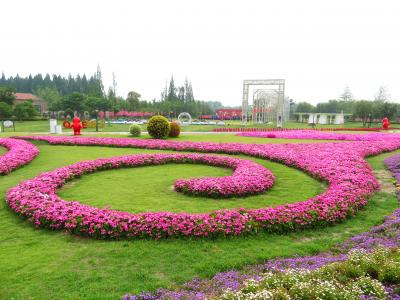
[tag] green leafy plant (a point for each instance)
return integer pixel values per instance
(175, 130)
(158, 127)
(135, 130)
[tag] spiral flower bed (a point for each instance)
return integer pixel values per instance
(37, 200)
(19, 153)
(320, 135)
(350, 179)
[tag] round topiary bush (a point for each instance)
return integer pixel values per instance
(175, 129)
(158, 127)
(135, 130)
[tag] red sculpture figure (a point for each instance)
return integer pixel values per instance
(76, 125)
(385, 123)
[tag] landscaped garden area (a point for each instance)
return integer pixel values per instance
(108, 216)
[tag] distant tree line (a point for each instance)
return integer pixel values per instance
(81, 93)
(365, 110)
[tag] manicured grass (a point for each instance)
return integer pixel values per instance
(43, 126)
(41, 264)
(2, 150)
(150, 188)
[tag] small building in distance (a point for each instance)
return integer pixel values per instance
(322, 118)
(39, 103)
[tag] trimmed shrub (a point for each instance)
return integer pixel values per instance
(135, 130)
(158, 127)
(175, 129)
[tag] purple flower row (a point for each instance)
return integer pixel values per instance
(19, 153)
(321, 135)
(386, 234)
(350, 179)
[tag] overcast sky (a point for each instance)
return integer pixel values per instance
(318, 47)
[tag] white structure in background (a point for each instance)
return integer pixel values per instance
(322, 118)
(54, 128)
(269, 102)
(183, 115)
(339, 119)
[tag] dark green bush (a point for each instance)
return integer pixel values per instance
(158, 127)
(175, 130)
(135, 130)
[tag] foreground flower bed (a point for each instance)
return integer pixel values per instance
(19, 153)
(350, 179)
(321, 135)
(287, 271)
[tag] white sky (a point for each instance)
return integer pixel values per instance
(317, 46)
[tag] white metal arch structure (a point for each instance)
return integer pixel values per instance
(275, 86)
(187, 115)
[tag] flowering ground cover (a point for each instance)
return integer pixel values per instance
(37, 201)
(313, 276)
(43, 264)
(350, 180)
(321, 135)
(19, 153)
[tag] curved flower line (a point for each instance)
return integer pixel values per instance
(19, 153)
(321, 135)
(249, 178)
(385, 235)
(350, 179)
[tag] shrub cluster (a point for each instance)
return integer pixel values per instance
(361, 276)
(135, 130)
(175, 130)
(158, 127)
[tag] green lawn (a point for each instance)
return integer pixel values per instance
(43, 126)
(41, 264)
(150, 188)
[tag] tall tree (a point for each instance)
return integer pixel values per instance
(172, 90)
(133, 101)
(99, 80)
(347, 95)
(74, 102)
(382, 94)
(7, 94)
(363, 109)
(304, 107)
(181, 93)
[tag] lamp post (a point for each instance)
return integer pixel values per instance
(97, 120)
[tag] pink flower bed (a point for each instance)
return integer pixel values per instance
(342, 165)
(19, 153)
(321, 135)
(249, 177)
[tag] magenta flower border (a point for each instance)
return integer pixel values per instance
(342, 165)
(321, 135)
(19, 154)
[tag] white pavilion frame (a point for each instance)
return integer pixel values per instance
(276, 89)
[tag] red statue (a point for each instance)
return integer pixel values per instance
(76, 125)
(385, 123)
